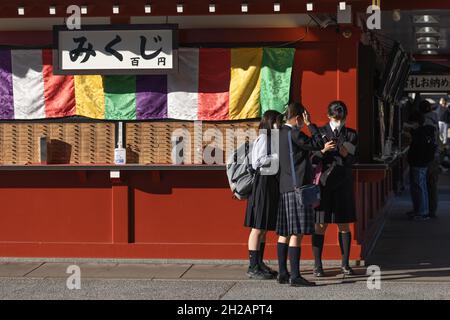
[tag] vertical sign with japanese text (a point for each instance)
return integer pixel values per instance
(114, 49)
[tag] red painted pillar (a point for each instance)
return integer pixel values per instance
(120, 213)
(347, 76)
(347, 91)
(119, 188)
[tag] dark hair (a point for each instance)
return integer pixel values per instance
(418, 117)
(269, 118)
(337, 109)
(424, 106)
(280, 120)
(294, 109)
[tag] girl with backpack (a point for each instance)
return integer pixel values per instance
(262, 204)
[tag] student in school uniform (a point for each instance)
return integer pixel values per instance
(294, 218)
(337, 203)
(262, 204)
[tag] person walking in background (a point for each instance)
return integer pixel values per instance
(444, 120)
(420, 155)
(337, 204)
(433, 170)
(262, 204)
(295, 218)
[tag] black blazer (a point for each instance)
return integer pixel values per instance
(335, 168)
(302, 146)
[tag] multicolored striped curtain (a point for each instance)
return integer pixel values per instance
(211, 84)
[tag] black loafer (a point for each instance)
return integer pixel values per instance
(256, 273)
(266, 269)
(318, 272)
(301, 282)
(283, 278)
(348, 271)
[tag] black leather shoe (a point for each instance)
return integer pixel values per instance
(318, 272)
(283, 278)
(266, 269)
(301, 282)
(348, 271)
(257, 274)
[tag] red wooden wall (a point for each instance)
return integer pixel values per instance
(167, 214)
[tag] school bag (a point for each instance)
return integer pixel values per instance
(240, 173)
(309, 194)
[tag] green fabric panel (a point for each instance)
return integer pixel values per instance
(120, 97)
(276, 78)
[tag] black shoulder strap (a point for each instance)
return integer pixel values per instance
(269, 142)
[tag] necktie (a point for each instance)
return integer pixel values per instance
(336, 132)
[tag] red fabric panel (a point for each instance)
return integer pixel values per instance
(214, 84)
(59, 91)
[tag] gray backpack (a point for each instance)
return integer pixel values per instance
(240, 173)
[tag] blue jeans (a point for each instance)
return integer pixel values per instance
(419, 190)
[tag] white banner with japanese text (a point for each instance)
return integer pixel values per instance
(113, 49)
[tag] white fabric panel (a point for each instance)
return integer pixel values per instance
(28, 84)
(182, 87)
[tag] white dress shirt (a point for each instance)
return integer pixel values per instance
(260, 158)
(334, 127)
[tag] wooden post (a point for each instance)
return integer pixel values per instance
(119, 206)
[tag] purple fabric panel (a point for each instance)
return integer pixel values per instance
(151, 97)
(6, 86)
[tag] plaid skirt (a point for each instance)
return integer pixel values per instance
(293, 217)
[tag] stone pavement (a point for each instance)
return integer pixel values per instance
(32, 280)
(416, 250)
(414, 258)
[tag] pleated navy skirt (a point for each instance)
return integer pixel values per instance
(294, 218)
(337, 204)
(262, 204)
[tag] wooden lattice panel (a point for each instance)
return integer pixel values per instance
(97, 142)
(91, 143)
(68, 142)
(151, 142)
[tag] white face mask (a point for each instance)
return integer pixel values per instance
(337, 123)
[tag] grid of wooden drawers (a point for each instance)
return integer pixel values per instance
(94, 143)
(69, 142)
(151, 142)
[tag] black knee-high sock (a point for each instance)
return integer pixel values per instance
(317, 246)
(262, 246)
(345, 241)
(294, 259)
(282, 251)
(253, 257)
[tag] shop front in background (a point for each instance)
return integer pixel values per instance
(82, 205)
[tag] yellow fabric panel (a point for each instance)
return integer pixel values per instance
(90, 97)
(245, 85)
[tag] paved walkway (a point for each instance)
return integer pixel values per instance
(417, 251)
(414, 258)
